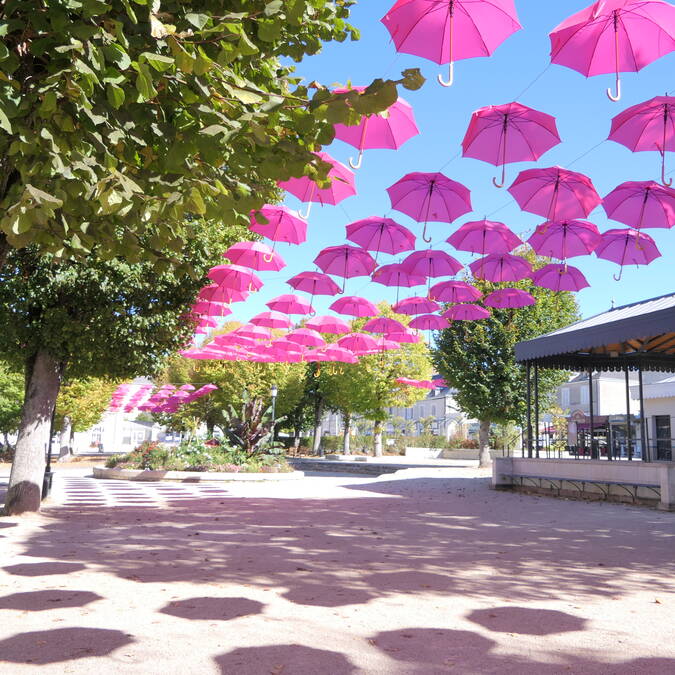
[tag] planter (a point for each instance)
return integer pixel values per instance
(191, 476)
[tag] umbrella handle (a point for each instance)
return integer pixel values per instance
(305, 215)
(268, 257)
(494, 180)
(318, 371)
(666, 181)
(424, 234)
(451, 76)
(619, 277)
(617, 96)
(359, 161)
(616, 60)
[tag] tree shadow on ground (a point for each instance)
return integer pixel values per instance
(212, 609)
(287, 659)
(526, 620)
(37, 601)
(61, 644)
(43, 568)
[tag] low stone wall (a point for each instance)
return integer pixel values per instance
(446, 453)
(633, 475)
(190, 476)
(342, 466)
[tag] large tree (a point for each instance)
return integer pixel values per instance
(477, 357)
(123, 118)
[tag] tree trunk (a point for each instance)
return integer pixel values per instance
(318, 414)
(6, 440)
(484, 459)
(64, 438)
(43, 380)
(346, 433)
(296, 440)
(377, 434)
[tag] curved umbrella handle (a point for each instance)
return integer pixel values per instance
(451, 76)
(619, 277)
(268, 257)
(424, 233)
(356, 165)
(494, 180)
(617, 96)
(666, 181)
(305, 215)
(318, 371)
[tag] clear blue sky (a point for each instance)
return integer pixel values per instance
(583, 115)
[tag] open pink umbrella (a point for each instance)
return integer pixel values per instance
(314, 283)
(289, 303)
(431, 263)
(429, 322)
(466, 312)
(559, 278)
(502, 134)
(352, 305)
(407, 337)
(282, 224)
(252, 331)
(509, 298)
(256, 255)
(386, 345)
(647, 127)
(384, 324)
(205, 322)
(614, 36)
(272, 320)
(358, 342)
(387, 130)
(328, 324)
(626, 246)
(484, 236)
(306, 336)
(565, 239)
(396, 275)
(415, 305)
(418, 384)
(306, 190)
(500, 268)
(211, 308)
(340, 354)
(216, 293)
(235, 277)
(345, 261)
(451, 30)
(555, 193)
(233, 339)
(381, 235)
(430, 197)
(641, 204)
(454, 291)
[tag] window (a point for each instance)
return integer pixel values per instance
(433, 411)
(584, 395)
(565, 397)
(574, 395)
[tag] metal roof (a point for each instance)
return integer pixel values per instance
(641, 334)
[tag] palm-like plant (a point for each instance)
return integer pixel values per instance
(250, 430)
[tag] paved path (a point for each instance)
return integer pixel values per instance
(421, 572)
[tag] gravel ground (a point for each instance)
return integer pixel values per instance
(422, 571)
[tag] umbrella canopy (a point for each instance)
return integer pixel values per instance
(306, 190)
(256, 255)
(466, 312)
(384, 344)
(511, 298)
(387, 130)
(314, 283)
(431, 263)
(216, 293)
(382, 235)
(358, 342)
(430, 197)
(646, 127)
(205, 322)
(484, 236)
(445, 32)
(454, 291)
(502, 134)
(272, 320)
(408, 337)
(211, 308)
(252, 331)
(614, 36)
(397, 275)
(307, 337)
(345, 261)
(419, 384)
(384, 324)
(559, 278)
(429, 322)
(289, 303)
(641, 204)
(341, 354)
(626, 246)
(235, 277)
(501, 268)
(565, 239)
(352, 305)
(555, 193)
(282, 224)
(233, 339)
(328, 324)
(415, 305)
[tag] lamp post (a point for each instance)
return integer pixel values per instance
(273, 393)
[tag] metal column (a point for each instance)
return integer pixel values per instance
(529, 410)
(594, 454)
(536, 409)
(643, 425)
(629, 430)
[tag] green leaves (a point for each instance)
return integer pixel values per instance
(158, 61)
(115, 95)
(5, 124)
(144, 84)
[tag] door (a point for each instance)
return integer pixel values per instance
(663, 441)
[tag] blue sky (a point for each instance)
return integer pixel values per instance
(519, 70)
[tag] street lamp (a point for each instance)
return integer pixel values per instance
(273, 393)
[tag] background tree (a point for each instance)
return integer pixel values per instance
(11, 400)
(477, 358)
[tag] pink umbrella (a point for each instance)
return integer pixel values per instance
(282, 224)
(252, 331)
(647, 127)
(502, 134)
(386, 345)
(641, 204)
(306, 190)
(445, 32)
(555, 193)
(256, 255)
(207, 323)
(345, 261)
(431, 263)
(484, 236)
(307, 337)
(314, 283)
(500, 268)
(342, 354)
(429, 197)
(626, 246)
(233, 339)
(285, 344)
(560, 278)
(352, 305)
(454, 291)
(408, 337)
(216, 293)
(211, 308)
(614, 36)
(235, 277)
(429, 322)
(418, 384)
(396, 275)
(511, 298)
(415, 305)
(383, 324)
(381, 235)
(466, 312)
(387, 130)
(272, 320)
(289, 303)
(328, 324)
(358, 342)
(565, 239)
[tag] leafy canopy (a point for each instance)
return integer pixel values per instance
(84, 402)
(11, 398)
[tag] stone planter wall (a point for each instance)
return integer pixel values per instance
(191, 476)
